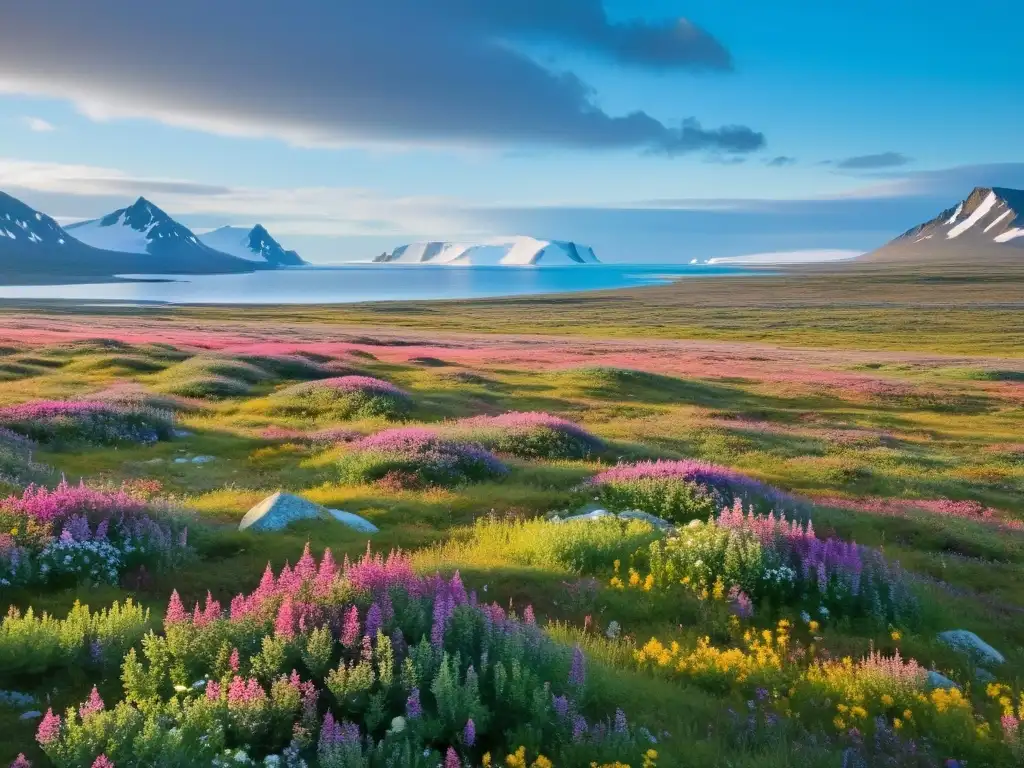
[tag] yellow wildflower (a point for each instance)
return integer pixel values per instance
(897, 723)
(814, 626)
(649, 582)
(895, 635)
(839, 723)
(887, 700)
(908, 715)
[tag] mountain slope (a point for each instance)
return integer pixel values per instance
(517, 251)
(254, 245)
(143, 228)
(987, 226)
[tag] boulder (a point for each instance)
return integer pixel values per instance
(629, 514)
(972, 646)
(355, 522)
(277, 512)
(203, 459)
(33, 714)
(939, 680)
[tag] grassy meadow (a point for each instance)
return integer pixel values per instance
(890, 407)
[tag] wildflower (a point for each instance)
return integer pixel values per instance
(895, 635)
(613, 630)
(103, 762)
(175, 610)
(413, 709)
(49, 728)
(21, 761)
(577, 672)
(469, 733)
(91, 705)
(451, 759)
(897, 723)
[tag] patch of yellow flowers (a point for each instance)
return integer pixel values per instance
(518, 760)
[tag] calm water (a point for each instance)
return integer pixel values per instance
(369, 282)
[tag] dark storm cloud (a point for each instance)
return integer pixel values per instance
(871, 162)
(336, 71)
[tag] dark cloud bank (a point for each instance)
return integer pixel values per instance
(434, 71)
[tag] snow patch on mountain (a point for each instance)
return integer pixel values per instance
(254, 245)
(520, 251)
(20, 223)
(977, 215)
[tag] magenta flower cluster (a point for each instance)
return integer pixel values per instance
(531, 434)
(96, 422)
(424, 453)
(363, 384)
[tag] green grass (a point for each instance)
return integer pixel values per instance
(952, 428)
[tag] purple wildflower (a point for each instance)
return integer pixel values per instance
(577, 672)
(413, 708)
(469, 733)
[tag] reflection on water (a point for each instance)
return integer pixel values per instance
(366, 282)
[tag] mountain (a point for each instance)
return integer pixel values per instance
(143, 228)
(987, 225)
(517, 251)
(254, 244)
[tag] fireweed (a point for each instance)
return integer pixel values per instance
(343, 397)
(349, 664)
(421, 457)
(530, 435)
(77, 534)
(81, 421)
(683, 490)
(769, 559)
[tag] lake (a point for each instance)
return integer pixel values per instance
(368, 282)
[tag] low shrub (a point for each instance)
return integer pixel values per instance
(531, 435)
(76, 534)
(343, 397)
(33, 644)
(93, 422)
(684, 490)
(421, 456)
(771, 560)
(367, 664)
(297, 367)
(17, 467)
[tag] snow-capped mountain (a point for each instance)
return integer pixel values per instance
(988, 223)
(21, 224)
(254, 244)
(516, 251)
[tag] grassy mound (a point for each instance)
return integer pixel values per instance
(530, 435)
(416, 457)
(212, 377)
(343, 397)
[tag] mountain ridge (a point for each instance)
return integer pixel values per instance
(520, 250)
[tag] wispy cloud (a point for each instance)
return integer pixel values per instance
(37, 124)
(343, 72)
(871, 162)
(781, 161)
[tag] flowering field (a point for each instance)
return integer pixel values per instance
(798, 529)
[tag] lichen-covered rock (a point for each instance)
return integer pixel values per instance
(971, 645)
(277, 512)
(939, 680)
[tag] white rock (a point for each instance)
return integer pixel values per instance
(277, 512)
(180, 460)
(203, 459)
(355, 522)
(972, 645)
(939, 680)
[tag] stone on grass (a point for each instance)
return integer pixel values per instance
(355, 522)
(971, 645)
(203, 459)
(32, 714)
(277, 512)
(938, 680)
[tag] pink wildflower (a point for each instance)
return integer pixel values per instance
(92, 705)
(175, 610)
(49, 728)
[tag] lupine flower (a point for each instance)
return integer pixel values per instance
(577, 673)
(21, 761)
(284, 625)
(561, 706)
(213, 690)
(528, 616)
(413, 709)
(451, 759)
(579, 728)
(350, 631)
(620, 721)
(103, 762)
(374, 620)
(469, 733)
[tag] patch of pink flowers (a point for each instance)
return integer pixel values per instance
(525, 421)
(88, 420)
(364, 384)
(727, 482)
(321, 437)
(963, 510)
(66, 501)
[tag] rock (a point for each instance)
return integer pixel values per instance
(971, 645)
(636, 514)
(629, 514)
(32, 714)
(355, 522)
(182, 433)
(939, 680)
(181, 461)
(277, 512)
(203, 459)
(982, 675)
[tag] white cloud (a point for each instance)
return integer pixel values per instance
(299, 210)
(37, 124)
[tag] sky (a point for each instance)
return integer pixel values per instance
(652, 130)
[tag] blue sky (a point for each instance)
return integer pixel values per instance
(359, 127)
